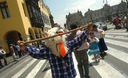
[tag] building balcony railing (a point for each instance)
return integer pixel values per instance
(36, 22)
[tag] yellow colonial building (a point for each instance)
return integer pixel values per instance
(22, 20)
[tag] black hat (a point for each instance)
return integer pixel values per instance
(94, 26)
(73, 26)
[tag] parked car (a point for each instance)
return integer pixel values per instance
(99, 24)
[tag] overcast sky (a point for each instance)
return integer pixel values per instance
(61, 8)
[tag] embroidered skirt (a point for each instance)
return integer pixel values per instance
(94, 49)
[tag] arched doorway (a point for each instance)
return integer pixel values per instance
(13, 36)
(31, 35)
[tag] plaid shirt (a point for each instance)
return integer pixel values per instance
(60, 67)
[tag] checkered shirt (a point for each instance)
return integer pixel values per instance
(60, 67)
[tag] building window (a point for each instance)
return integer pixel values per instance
(29, 11)
(4, 10)
(24, 9)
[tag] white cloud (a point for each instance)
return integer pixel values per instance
(60, 19)
(81, 5)
(114, 2)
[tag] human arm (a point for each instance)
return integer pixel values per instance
(77, 42)
(94, 41)
(102, 34)
(34, 52)
(38, 53)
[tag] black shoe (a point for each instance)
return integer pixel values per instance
(102, 57)
(105, 54)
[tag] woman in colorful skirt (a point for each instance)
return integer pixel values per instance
(102, 45)
(94, 48)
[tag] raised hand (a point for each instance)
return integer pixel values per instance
(22, 45)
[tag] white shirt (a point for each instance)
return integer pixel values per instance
(98, 33)
(92, 39)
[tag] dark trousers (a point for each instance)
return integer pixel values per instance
(5, 60)
(83, 66)
(20, 54)
(1, 63)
